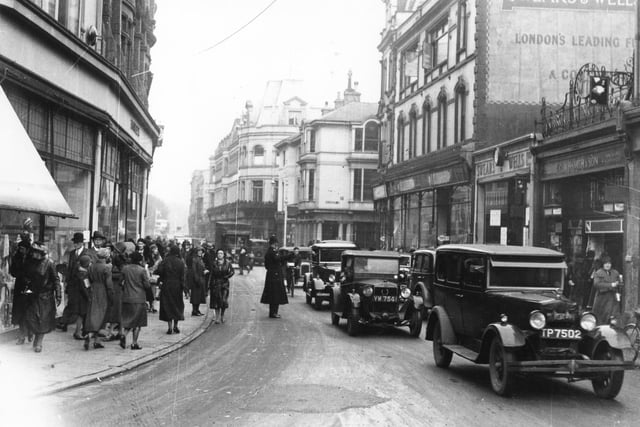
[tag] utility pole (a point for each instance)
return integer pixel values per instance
(284, 206)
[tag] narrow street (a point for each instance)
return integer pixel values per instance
(301, 370)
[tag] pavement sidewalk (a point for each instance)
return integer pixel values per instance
(64, 363)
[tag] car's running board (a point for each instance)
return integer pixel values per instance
(462, 351)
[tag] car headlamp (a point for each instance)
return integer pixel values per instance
(588, 322)
(367, 291)
(405, 292)
(332, 278)
(537, 319)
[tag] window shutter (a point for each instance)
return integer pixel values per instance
(427, 55)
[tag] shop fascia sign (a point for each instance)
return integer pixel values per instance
(501, 162)
(429, 180)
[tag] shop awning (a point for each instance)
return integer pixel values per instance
(25, 182)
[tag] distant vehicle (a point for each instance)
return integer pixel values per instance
(231, 236)
(325, 270)
(305, 254)
(420, 278)
(259, 248)
(373, 291)
(503, 305)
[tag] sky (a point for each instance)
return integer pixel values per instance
(201, 81)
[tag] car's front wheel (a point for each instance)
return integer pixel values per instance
(415, 324)
(442, 356)
(335, 319)
(608, 386)
(502, 378)
(353, 327)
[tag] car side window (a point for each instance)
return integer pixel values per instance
(448, 268)
(417, 262)
(474, 271)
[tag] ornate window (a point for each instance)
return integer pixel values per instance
(426, 126)
(460, 111)
(413, 131)
(441, 141)
(400, 143)
(462, 29)
(258, 155)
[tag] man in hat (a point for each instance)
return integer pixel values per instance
(274, 292)
(77, 302)
(99, 241)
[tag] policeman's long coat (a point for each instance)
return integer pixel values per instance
(274, 290)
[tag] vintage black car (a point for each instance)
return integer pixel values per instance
(370, 291)
(420, 277)
(305, 254)
(503, 305)
(325, 270)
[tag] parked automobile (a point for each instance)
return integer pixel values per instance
(325, 270)
(503, 305)
(420, 277)
(372, 291)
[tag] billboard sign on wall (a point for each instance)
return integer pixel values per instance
(535, 47)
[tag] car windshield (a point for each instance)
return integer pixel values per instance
(526, 277)
(331, 255)
(305, 256)
(376, 266)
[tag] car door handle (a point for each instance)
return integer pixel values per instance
(460, 295)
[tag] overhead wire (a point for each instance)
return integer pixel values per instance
(239, 29)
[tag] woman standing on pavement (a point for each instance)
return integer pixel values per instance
(607, 284)
(219, 285)
(100, 293)
(274, 292)
(198, 282)
(171, 277)
(44, 294)
(134, 304)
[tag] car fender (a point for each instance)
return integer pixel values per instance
(616, 338)
(510, 335)
(427, 300)
(418, 302)
(336, 293)
(439, 315)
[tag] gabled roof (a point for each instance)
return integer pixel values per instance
(351, 112)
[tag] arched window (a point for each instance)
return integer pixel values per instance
(460, 111)
(426, 126)
(442, 120)
(413, 131)
(258, 155)
(400, 139)
(371, 136)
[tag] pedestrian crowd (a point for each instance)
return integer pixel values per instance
(110, 288)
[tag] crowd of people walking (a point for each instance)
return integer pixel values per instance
(110, 288)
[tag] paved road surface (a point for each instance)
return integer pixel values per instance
(301, 370)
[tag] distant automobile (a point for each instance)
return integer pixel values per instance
(325, 270)
(373, 291)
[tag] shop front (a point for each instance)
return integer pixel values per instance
(584, 202)
(504, 192)
(425, 203)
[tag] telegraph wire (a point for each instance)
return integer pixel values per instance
(239, 29)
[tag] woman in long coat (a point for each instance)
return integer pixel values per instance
(44, 294)
(135, 283)
(171, 277)
(274, 292)
(221, 272)
(20, 299)
(100, 293)
(198, 282)
(606, 282)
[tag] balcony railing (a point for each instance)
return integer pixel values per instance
(579, 108)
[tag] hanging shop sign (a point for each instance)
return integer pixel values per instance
(440, 178)
(584, 163)
(379, 192)
(603, 226)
